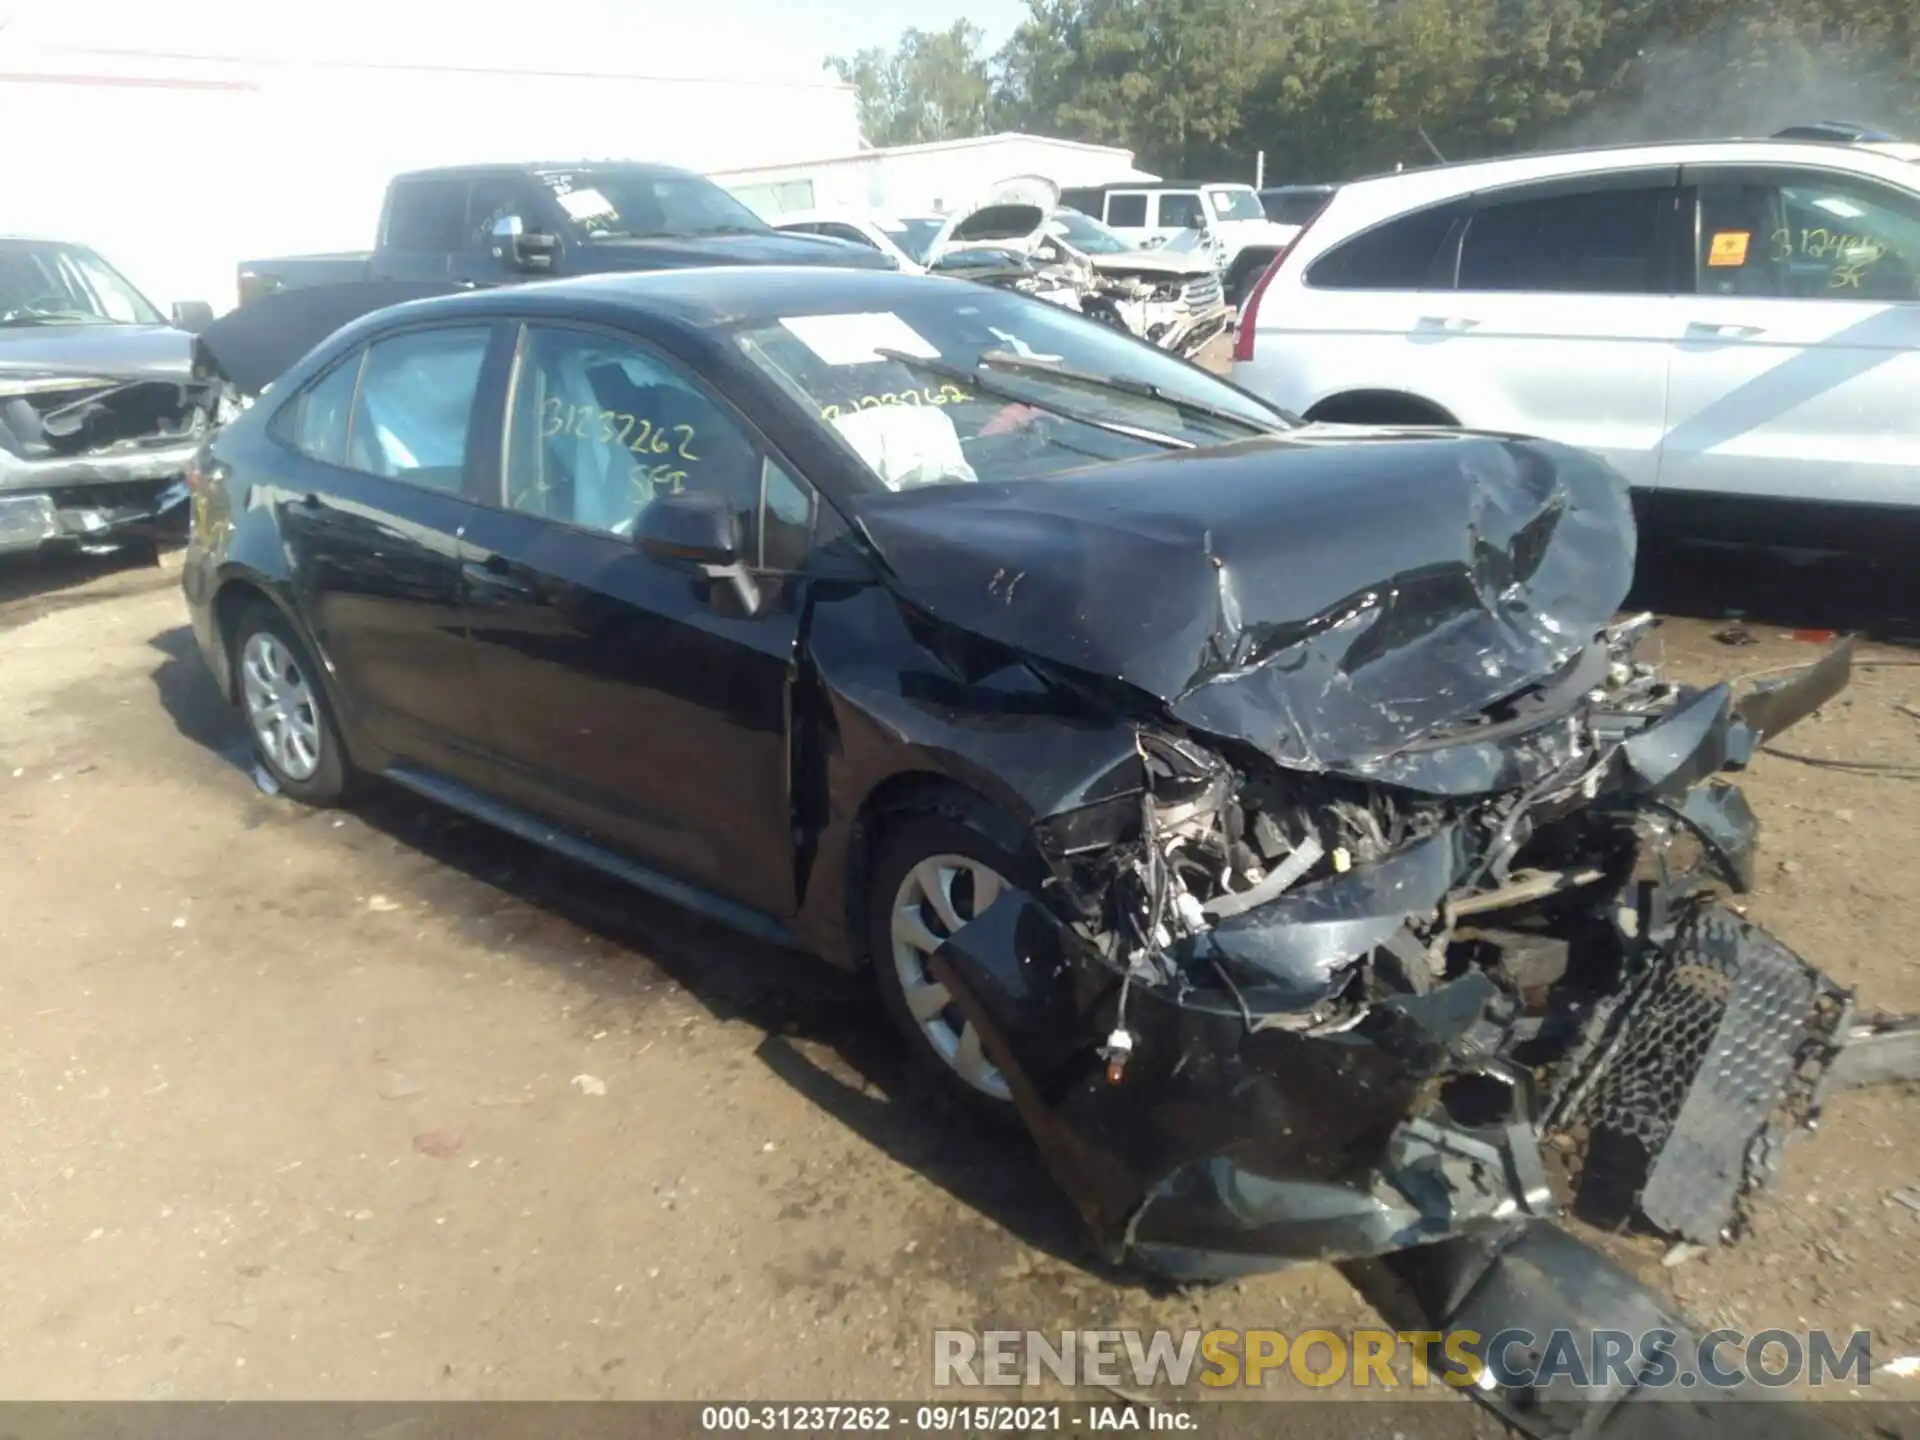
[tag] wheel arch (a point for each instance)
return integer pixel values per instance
(239, 590)
(895, 799)
(235, 594)
(1380, 406)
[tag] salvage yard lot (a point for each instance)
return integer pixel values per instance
(382, 1104)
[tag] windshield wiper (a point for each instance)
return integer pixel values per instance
(974, 378)
(1007, 360)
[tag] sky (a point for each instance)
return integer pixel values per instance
(758, 38)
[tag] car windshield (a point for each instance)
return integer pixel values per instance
(1086, 234)
(912, 236)
(951, 385)
(1235, 202)
(609, 203)
(54, 284)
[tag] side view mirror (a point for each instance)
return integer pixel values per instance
(192, 316)
(700, 532)
(522, 248)
(693, 530)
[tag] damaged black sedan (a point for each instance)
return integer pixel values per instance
(1276, 816)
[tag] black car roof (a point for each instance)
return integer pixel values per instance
(540, 167)
(702, 296)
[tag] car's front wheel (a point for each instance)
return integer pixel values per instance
(934, 873)
(294, 737)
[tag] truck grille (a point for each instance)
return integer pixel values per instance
(1203, 293)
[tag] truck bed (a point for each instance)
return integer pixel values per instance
(296, 272)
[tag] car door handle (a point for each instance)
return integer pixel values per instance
(1452, 324)
(495, 573)
(1701, 330)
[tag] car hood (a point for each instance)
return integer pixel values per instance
(1011, 215)
(1329, 599)
(130, 352)
(669, 252)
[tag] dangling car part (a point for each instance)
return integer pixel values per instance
(1018, 236)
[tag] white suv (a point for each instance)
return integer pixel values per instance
(1734, 324)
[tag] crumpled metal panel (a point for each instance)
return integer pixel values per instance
(1329, 603)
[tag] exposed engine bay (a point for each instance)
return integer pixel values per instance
(1263, 1017)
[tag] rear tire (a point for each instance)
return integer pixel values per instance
(934, 869)
(295, 739)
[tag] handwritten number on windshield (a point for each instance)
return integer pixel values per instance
(947, 394)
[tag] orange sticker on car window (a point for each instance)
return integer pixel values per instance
(1729, 247)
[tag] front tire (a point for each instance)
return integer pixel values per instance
(934, 873)
(295, 739)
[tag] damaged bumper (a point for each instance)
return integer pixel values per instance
(92, 459)
(1348, 1058)
(34, 514)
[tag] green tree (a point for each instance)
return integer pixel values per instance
(1165, 78)
(1331, 89)
(936, 85)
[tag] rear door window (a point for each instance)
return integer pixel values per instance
(415, 406)
(317, 423)
(1127, 211)
(1411, 253)
(1606, 241)
(1180, 210)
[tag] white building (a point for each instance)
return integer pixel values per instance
(909, 179)
(178, 151)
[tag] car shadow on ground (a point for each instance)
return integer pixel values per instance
(41, 582)
(826, 1033)
(1843, 594)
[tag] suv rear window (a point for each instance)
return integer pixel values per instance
(1399, 255)
(1593, 242)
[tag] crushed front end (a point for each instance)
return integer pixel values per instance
(98, 458)
(1263, 1014)
(1177, 312)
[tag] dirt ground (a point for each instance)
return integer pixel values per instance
(382, 1104)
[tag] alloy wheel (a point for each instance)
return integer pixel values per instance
(280, 706)
(935, 899)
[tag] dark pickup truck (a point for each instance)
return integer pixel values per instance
(502, 224)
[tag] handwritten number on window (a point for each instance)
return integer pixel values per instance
(611, 427)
